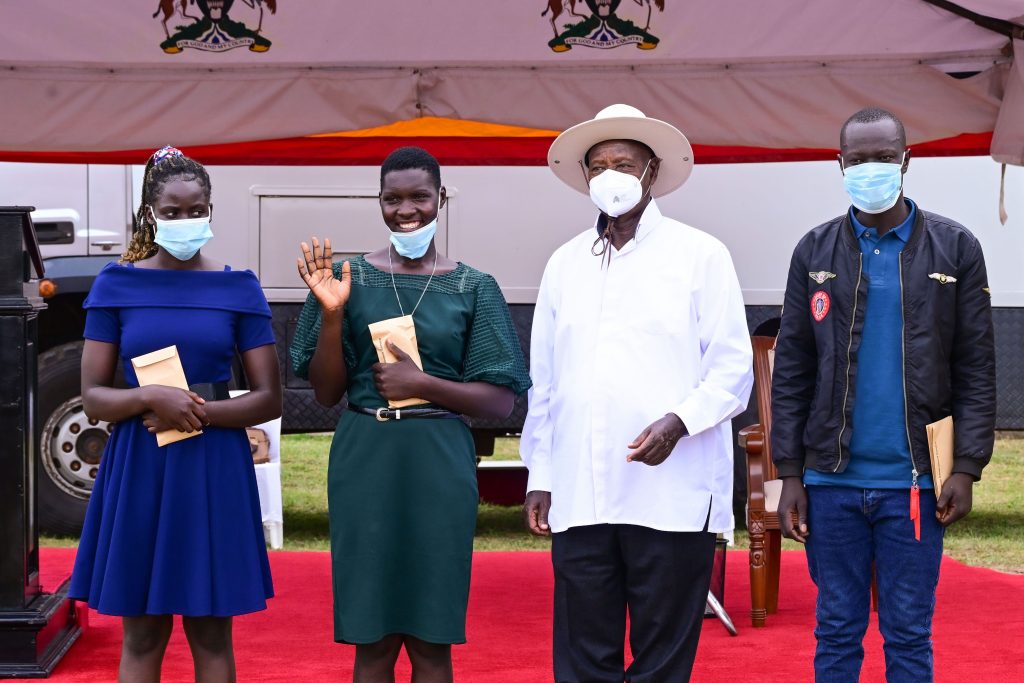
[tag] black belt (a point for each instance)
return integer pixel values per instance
(388, 414)
(211, 391)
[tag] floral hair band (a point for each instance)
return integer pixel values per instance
(165, 153)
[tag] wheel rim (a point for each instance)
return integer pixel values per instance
(72, 446)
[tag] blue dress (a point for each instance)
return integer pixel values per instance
(175, 529)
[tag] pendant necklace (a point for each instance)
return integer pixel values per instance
(391, 267)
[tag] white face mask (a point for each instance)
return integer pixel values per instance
(615, 193)
(184, 237)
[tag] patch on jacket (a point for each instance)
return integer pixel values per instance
(820, 303)
(821, 276)
(942, 278)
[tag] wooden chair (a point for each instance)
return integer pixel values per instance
(763, 489)
(762, 518)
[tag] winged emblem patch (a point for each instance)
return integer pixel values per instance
(942, 278)
(821, 276)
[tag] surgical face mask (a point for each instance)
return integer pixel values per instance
(183, 238)
(414, 244)
(615, 193)
(874, 187)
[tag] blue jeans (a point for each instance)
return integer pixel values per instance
(849, 529)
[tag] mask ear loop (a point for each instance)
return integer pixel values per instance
(650, 188)
(583, 170)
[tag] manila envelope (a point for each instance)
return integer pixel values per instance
(402, 333)
(940, 448)
(163, 367)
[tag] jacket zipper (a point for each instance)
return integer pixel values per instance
(915, 491)
(849, 345)
(903, 367)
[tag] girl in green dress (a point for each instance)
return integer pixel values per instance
(402, 492)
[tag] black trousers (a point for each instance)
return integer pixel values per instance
(660, 577)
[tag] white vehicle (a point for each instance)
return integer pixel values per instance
(502, 220)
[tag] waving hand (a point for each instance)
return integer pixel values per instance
(316, 269)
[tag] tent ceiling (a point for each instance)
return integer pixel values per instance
(92, 77)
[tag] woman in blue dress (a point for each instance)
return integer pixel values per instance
(176, 529)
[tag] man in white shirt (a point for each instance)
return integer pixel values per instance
(640, 355)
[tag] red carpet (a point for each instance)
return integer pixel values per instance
(979, 628)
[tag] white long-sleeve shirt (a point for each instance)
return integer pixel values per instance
(616, 346)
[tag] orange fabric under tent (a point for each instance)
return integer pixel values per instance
(453, 142)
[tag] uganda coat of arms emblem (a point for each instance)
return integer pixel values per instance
(213, 30)
(602, 28)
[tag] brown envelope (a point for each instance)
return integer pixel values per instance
(163, 367)
(402, 333)
(940, 447)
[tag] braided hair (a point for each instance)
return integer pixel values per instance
(165, 165)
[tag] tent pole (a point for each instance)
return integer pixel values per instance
(1007, 28)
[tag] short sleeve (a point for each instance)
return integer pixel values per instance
(253, 331)
(103, 325)
(307, 332)
(493, 354)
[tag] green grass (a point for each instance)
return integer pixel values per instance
(47, 541)
(304, 491)
(993, 534)
(505, 449)
(989, 537)
(304, 499)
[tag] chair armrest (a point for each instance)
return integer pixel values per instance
(752, 440)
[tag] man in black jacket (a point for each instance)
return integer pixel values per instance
(887, 327)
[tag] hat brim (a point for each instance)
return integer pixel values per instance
(670, 145)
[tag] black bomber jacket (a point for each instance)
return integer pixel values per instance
(948, 347)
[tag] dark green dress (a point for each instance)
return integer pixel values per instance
(402, 495)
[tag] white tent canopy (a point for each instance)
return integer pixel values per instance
(93, 76)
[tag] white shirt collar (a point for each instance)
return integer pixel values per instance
(649, 220)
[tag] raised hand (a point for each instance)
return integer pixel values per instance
(316, 268)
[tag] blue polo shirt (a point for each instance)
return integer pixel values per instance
(879, 449)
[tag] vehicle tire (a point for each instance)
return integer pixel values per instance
(70, 444)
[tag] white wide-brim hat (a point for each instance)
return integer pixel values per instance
(622, 122)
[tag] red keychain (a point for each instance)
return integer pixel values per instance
(915, 510)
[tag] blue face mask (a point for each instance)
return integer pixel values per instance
(414, 244)
(874, 187)
(183, 238)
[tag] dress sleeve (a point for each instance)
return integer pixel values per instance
(253, 331)
(303, 344)
(493, 354)
(103, 324)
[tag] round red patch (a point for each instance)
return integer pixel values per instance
(820, 303)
